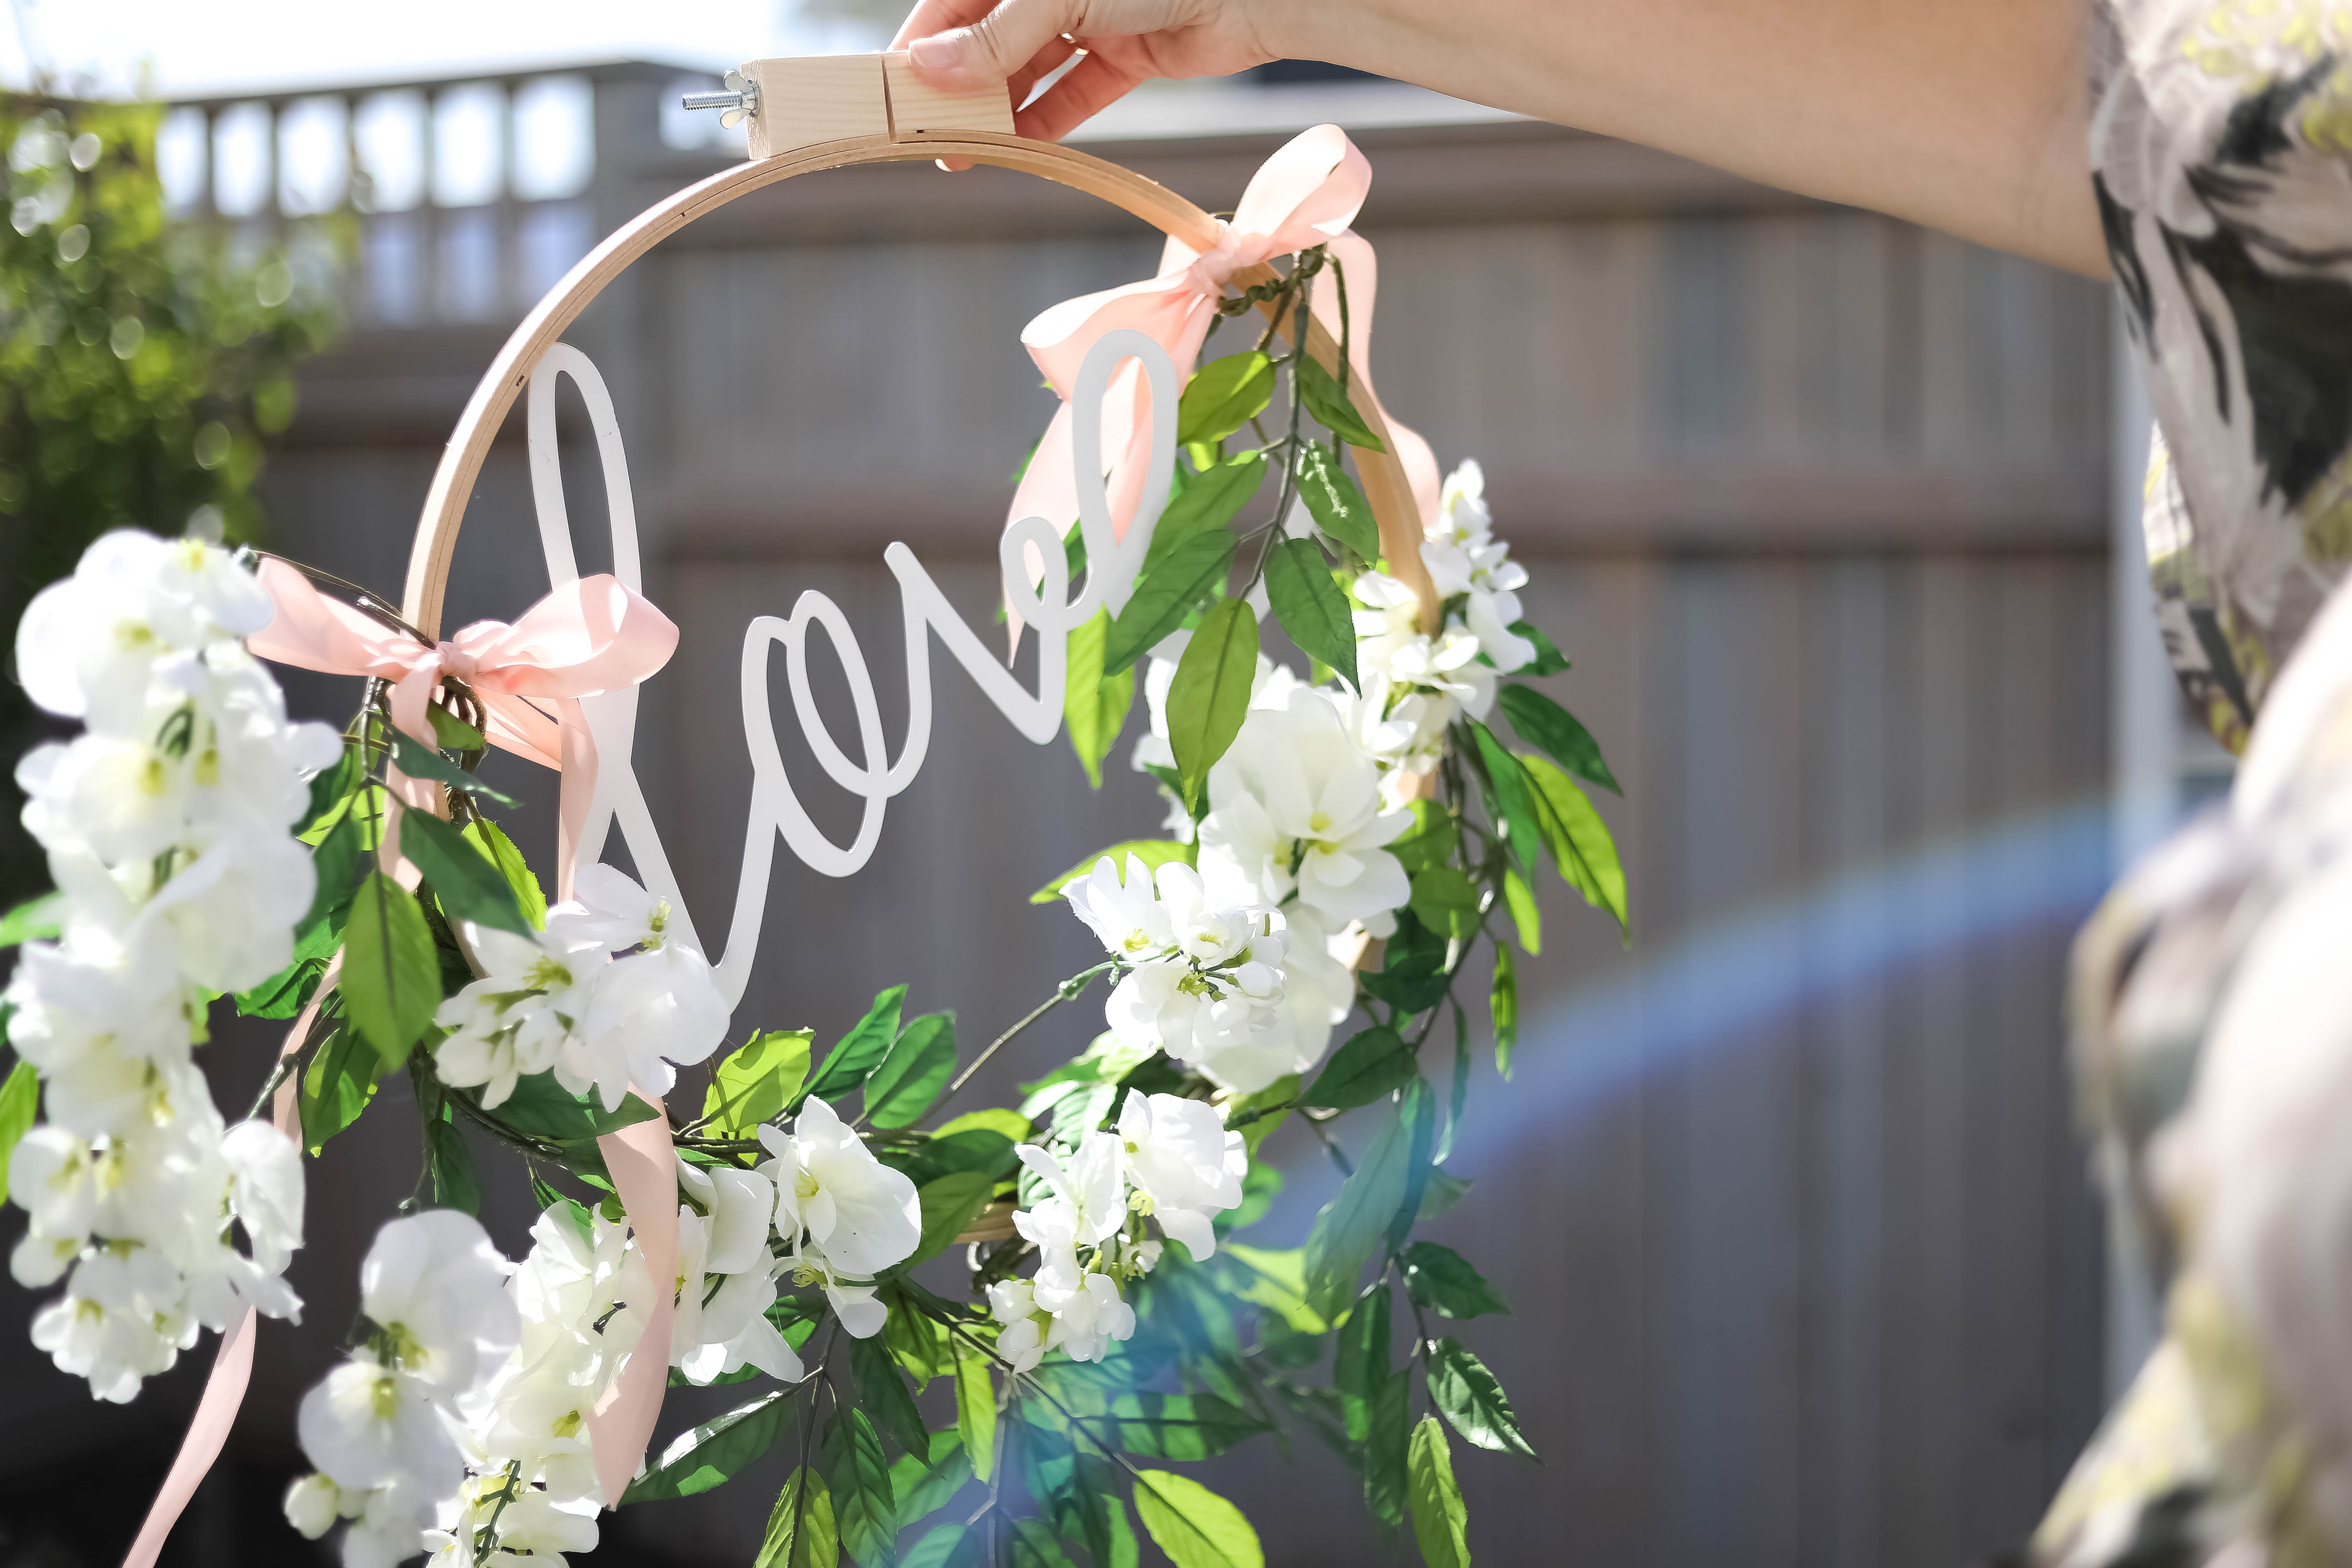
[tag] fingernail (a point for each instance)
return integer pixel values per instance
(940, 52)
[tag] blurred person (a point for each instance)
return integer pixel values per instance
(2199, 153)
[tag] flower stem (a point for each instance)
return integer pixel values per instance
(1068, 991)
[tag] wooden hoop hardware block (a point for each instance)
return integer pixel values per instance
(839, 98)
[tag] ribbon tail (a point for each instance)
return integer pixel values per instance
(578, 785)
(216, 1413)
(644, 1164)
(1048, 488)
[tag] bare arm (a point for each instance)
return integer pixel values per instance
(1966, 115)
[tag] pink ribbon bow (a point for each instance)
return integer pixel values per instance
(1306, 194)
(588, 636)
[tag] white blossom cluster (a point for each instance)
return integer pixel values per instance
(462, 1417)
(1172, 1160)
(167, 828)
(558, 1000)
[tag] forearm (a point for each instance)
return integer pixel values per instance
(1966, 115)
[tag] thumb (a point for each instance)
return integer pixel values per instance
(988, 52)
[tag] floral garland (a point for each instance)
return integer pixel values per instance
(1337, 847)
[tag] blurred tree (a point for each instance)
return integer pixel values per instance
(143, 364)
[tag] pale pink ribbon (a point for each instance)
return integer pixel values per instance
(1306, 194)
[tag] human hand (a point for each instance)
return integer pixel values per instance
(962, 45)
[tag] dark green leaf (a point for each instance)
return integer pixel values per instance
(1430, 841)
(1094, 706)
(1446, 902)
(337, 1085)
(754, 1084)
(390, 978)
(1548, 659)
(1419, 1110)
(1338, 507)
(20, 1105)
(1504, 1002)
(883, 1393)
(1208, 503)
(802, 1532)
(1332, 407)
(717, 1451)
(336, 861)
(1310, 606)
(947, 1546)
(1441, 1280)
(1359, 1367)
(286, 992)
(1459, 1093)
(860, 1051)
(1177, 1425)
(455, 1186)
(1388, 1431)
(920, 1064)
(860, 1479)
(1029, 1543)
(1154, 853)
(1507, 796)
(332, 783)
(500, 849)
(1471, 1400)
(452, 733)
(975, 1408)
(1555, 731)
(1352, 1224)
(1193, 1525)
(1223, 395)
(1210, 696)
(1579, 841)
(420, 762)
(1446, 1191)
(1440, 1521)
(542, 1108)
(1195, 569)
(1372, 1064)
(950, 1204)
(924, 1481)
(468, 887)
(37, 920)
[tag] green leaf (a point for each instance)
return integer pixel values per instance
(860, 1051)
(1193, 1525)
(499, 850)
(717, 1451)
(1353, 1223)
(452, 733)
(336, 861)
(975, 1408)
(1359, 1365)
(947, 1546)
(1210, 696)
(1193, 573)
(37, 920)
(1579, 841)
(923, 1481)
(860, 1479)
(1338, 507)
(920, 1064)
(1471, 1400)
(1446, 902)
(1508, 798)
(1418, 1107)
(289, 990)
(468, 887)
(1331, 407)
(336, 1086)
(1527, 916)
(800, 1530)
(390, 978)
(1094, 707)
(1180, 1427)
(1371, 1065)
(542, 1108)
(1029, 1543)
(1440, 1521)
(1412, 973)
(882, 1393)
(1209, 502)
(1223, 395)
(1504, 1002)
(1387, 1434)
(1548, 659)
(1310, 606)
(455, 1186)
(1555, 731)
(754, 1084)
(1440, 1279)
(1154, 853)
(332, 784)
(1445, 1192)
(1430, 841)
(950, 1204)
(20, 1105)
(420, 762)
(1278, 1281)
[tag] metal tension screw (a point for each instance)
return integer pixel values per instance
(739, 98)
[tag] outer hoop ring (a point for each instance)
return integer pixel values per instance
(1384, 484)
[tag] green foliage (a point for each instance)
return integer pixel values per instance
(469, 886)
(1153, 852)
(143, 365)
(1430, 841)
(20, 1103)
(452, 733)
(1503, 1002)
(1508, 800)
(1555, 731)
(1446, 902)
(1208, 503)
(499, 850)
(1195, 571)
(1440, 1521)
(975, 1408)
(1338, 507)
(754, 1084)
(919, 1063)
(859, 1476)
(1471, 1400)
(950, 1204)
(1548, 659)
(1094, 706)
(1579, 841)
(419, 760)
(1527, 916)
(801, 1528)
(717, 1451)
(336, 860)
(390, 980)
(455, 1186)
(1223, 395)
(1331, 407)
(337, 1084)
(1193, 1525)
(286, 992)
(882, 1390)
(1210, 696)
(859, 1053)
(1310, 606)
(1441, 1280)
(1374, 1062)
(1351, 1227)
(36, 920)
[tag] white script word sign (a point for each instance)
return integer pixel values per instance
(864, 769)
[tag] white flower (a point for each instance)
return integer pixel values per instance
(436, 1289)
(265, 1195)
(119, 1323)
(1295, 808)
(863, 1216)
(1186, 1165)
(1013, 1304)
(514, 1020)
(1389, 642)
(312, 1505)
(1208, 978)
(727, 1279)
(851, 1297)
(1464, 558)
(643, 1012)
(369, 1425)
(1092, 1318)
(233, 909)
(1130, 922)
(1090, 1191)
